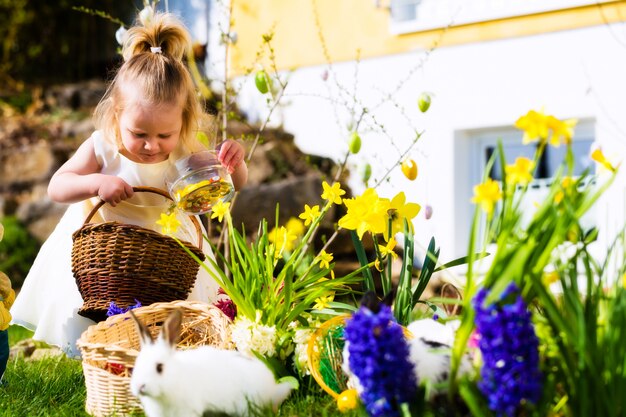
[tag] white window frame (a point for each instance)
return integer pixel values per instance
(470, 161)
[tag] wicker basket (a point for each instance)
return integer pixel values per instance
(109, 350)
(325, 355)
(126, 263)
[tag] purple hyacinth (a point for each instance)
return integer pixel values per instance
(509, 346)
(378, 357)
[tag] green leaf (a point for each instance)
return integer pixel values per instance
(430, 261)
(362, 257)
(461, 261)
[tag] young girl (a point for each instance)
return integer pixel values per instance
(147, 119)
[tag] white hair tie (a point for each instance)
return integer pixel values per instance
(155, 49)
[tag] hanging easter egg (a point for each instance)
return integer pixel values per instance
(409, 169)
(424, 102)
(347, 400)
(428, 211)
(366, 172)
(355, 143)
(261, 81)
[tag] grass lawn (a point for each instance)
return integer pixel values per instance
(55, 386)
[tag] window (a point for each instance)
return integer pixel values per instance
(472, 148)
(550, 160)
(485, 142)
(418, 15)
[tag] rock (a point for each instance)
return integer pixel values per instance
(23, 349)
(256, 203)
(75, 96)
(77, 130)
(29, 163)
(47, 352)
(41, 215)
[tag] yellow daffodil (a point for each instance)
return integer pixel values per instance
(598, 156)
(399, 211)
(567, 183)
(534, 125)
(624, 280)
(322, 302)
(520, 172)
(487, 194)
(282, 239)
(388, 249)
(558, 197)
(366, 212)
(169, 223)
(538, 126)
(324, 259)
(379, 267)
(332, 193)
(562, 131)
(310, 214)
(550, 277)
(219, 210)
(295, 226)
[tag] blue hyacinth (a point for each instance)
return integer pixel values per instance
(509, 346)
(114, 309)
(378, 357)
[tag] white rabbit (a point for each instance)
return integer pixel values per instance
(187, 383)
(429, 351)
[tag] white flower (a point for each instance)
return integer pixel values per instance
(241, 334)
(120, 35)
(301, 358)
(264, 339)
(249, 336)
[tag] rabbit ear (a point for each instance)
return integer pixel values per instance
(144, 334)
(450, 291)
(171, 328)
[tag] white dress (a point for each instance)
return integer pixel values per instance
(49, 298)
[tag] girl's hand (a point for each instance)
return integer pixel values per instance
(114, 189)
(231, 154)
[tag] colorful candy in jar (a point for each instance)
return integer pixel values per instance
(201, 196)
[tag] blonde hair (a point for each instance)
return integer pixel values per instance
(161, 76)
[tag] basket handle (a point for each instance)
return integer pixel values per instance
(154, 190)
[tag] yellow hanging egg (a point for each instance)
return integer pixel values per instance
(409, 169)
(347, 400)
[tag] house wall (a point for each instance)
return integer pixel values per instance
(484, 76)
(364, 25)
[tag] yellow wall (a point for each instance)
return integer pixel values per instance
(351, 25)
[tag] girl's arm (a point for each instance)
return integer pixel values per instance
(79, 178)
(231, 154)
